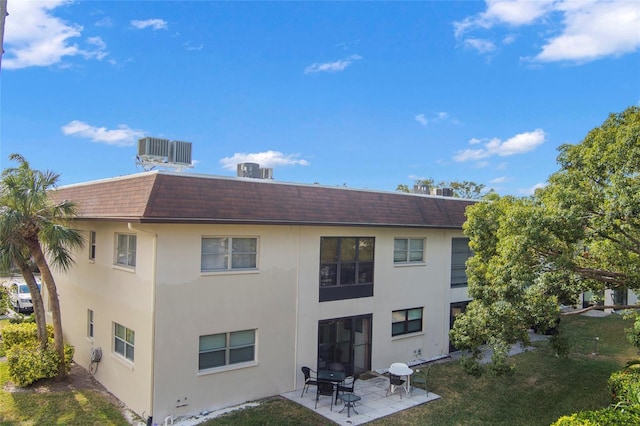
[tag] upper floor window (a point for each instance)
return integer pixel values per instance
(408, 250)
(346, 261)
(124, 341)
(460, 252)
(218, 350)
(227, 253)
(126, 249)
(406, 321)
(92, 245)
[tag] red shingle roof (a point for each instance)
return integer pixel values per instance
(156, 197)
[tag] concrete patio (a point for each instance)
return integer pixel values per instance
(374, 403)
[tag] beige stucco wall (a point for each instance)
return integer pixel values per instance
(395, 287)
(115, 295)
(191, 304)
(279, 300)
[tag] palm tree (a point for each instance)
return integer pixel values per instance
(36, 225)
(11, 253)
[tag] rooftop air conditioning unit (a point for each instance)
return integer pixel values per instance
(155, 149)
(447, 192)
(180, 152)
(266, 173)
(421, 188)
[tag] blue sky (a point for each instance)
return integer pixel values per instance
(362, 94)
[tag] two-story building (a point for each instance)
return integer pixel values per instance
(205, 292)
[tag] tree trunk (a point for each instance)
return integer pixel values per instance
(36, 300)
(36, 251)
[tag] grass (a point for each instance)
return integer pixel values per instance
(76, 407)
(540, 390)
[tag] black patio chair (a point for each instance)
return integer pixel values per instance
(309, 379)
(348, 384)
(324, 389)
(395, 382)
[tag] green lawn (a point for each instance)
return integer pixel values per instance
(541, 389)
(77, 407)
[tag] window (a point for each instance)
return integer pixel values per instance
(126, 249)
(89, 323)
(92, 245)
(227, 253)
(460, 252)
(124, 341)
(408, 250)
(218, 350)
(346, 261)
(406, 321)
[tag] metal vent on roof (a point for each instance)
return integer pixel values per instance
(153, 148)
(180, 152)
(159, 152)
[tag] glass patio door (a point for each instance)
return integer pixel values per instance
(345, 341)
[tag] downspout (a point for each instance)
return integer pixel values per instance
(446, 317)
(297, 315)
(154, 254)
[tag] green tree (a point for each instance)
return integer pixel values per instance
(33, 224)
(13, 253)
(581, 232)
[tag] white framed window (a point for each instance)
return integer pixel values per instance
(219, 350)
(90, 323)
(460, 253)
(228, 253)
(92, 245)
(124, 340)
(126, 250)
(408, 250)
(406, 321)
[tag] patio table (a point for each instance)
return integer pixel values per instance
(349, 400)
(401, 369)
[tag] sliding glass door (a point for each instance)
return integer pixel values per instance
(345, 342)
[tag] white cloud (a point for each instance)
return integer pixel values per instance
(339, 65)
(515, 12)
(266, 159)
(518, 144)
(501, 179)
(439, 116)
(155, 24)
(104, 22)
(584, 30)
(34, 37)
(599, 30)
(122, 136)
(192, 46)
(481, 45)
(532, 190)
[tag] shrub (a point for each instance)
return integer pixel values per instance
(4, 299)
(606, 416)
(624, 386)
(27, 363)
(25, 332)
(471, 365)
